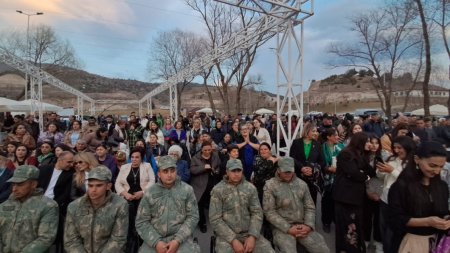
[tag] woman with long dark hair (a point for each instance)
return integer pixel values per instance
(52, 133)
(349, 192)
(74, 134)
(264, 168)
(403, 148)
(19, 133)
(22, 156)
(418, 200)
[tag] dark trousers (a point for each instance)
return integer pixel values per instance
(203, 204)
(386, 232)
(372, 220)
(327, 206)
(349, 232)
(133, 239)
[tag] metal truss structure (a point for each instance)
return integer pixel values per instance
(37, 77)
(276, 18)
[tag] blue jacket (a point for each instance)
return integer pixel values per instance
(5, 188)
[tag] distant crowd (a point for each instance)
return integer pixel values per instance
(364, 169)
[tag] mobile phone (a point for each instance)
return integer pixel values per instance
(378, 160)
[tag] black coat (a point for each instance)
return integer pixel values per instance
(5, 187)
(62, 188)
(351, 176)
(297, 152)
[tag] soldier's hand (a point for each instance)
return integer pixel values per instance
(161, 247)
(294, 231)
(237, 246)
(249, 244)
(304, 230)
(172, 246)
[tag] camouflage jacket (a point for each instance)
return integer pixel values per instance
(235, 210)
(167, 213)
(90, 230)
(28, 227)
(287, 203)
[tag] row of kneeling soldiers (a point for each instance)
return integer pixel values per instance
(167, 215)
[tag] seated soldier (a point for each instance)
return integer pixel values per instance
(28, 219)
(98, 221)
(168, 213)
(236, 215)
(290, 210)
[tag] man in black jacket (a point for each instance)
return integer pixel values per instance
(5, 174)
(56, 182)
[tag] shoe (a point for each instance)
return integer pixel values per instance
(378, 247)
(326, 228)
(203, 228)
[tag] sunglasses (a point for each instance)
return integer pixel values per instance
(78, 162)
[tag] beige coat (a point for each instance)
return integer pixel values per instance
(146, 175)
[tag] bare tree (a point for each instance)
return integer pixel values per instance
(442, 19)
(45, 47)
(426, 41)
(171, 52)
(221, 22)
(386, 37)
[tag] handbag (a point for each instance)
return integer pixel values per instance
(441, 243)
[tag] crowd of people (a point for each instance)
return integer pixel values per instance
(145, 184)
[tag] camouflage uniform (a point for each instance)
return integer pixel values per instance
(29, 226)
(289, 203)
(235, 213)
(103, 229)
(167, 214)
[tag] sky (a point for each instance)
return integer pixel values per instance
(112, 37)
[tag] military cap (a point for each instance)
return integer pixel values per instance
(101, 173)
(24, 173)
(166, 162)
(286, 164)
(234, 164)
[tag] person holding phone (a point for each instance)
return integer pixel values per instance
(403, 148)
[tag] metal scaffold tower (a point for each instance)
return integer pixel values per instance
(277, 18)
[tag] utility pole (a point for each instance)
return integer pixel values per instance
(28, 44)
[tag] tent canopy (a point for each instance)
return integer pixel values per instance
(205, 110)
(264, 111)
(435, 110)
(8, 105)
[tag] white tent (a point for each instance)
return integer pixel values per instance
(46, 107)
(264, 111)
(205, 110)
(435, 110)
(8, 105)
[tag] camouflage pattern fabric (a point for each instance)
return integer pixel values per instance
(235, 213)
(90, 230)
(28, 227)
(286, 204)
(167, 214)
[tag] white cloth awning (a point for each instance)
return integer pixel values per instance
(435, 110)
(264, 111)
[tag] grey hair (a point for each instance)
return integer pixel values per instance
(177, 149)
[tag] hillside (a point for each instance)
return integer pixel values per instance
(98, 87)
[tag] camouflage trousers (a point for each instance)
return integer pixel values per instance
(261, 245)
(187, 246)
(286, 243)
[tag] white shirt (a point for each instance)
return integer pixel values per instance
(55, 175)
(390, 178)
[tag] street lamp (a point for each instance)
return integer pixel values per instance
(28, 27)
(28, 43)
